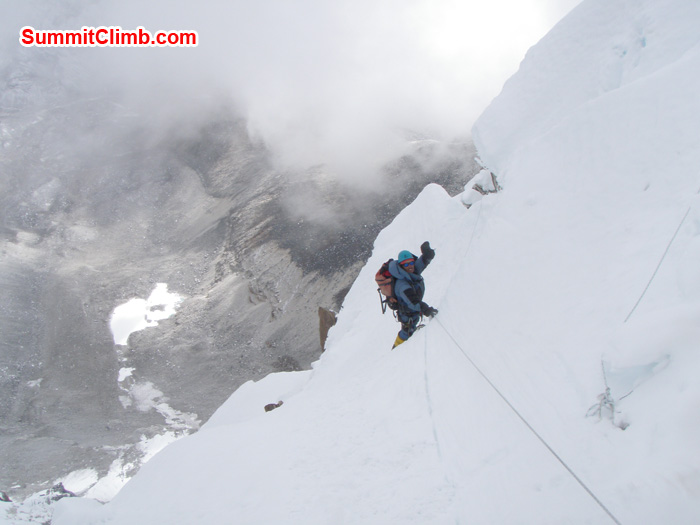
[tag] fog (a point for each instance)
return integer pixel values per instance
(338, 83)
(121, 168)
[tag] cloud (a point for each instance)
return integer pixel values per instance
(339, 83)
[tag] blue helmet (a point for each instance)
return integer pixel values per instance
(405, 255)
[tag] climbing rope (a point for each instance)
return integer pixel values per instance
(525, 422)
(429, 398)
(476, 222)
(668, 247)
(510, 405)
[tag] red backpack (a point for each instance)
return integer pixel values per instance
(386, 281)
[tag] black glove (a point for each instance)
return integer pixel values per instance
(427, 251)
(428, 311)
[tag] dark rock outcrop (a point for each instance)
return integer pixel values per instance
(326, 319)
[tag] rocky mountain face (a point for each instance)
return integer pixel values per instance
(96, 210)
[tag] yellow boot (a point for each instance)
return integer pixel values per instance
(398, 341)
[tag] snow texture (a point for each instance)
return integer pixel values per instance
(580, 275)
(137, 314)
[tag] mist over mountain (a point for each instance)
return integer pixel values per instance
(255, 252)
(558, 382)
(250, 174)
(335, 84)
(103, 197)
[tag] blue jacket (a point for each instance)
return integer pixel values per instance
(409, 287)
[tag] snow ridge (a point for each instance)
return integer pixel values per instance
(595, 145)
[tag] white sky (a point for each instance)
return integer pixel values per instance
(339, 82)
(336, 82)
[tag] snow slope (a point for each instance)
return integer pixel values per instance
(581, 273)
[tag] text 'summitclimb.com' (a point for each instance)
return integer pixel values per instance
(112, 36)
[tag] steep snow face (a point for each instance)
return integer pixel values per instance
(579, 276)
(594, 54)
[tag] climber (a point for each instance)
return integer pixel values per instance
(409, 288)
